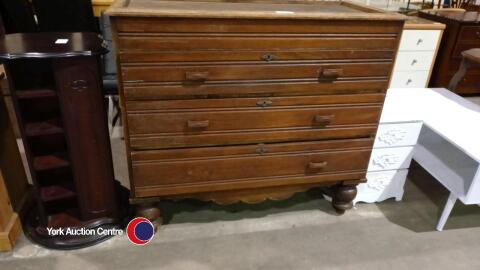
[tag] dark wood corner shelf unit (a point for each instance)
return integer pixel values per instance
(57, 96)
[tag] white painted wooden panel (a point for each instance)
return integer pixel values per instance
(401, 105)
(382, 185)
(449, 165)
(413, 60)
(390, 158)
(409, 79)
(419, 40)
(397, 134)
(473, 195)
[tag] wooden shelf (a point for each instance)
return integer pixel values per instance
(42, 128)
(67, 218)
(35, 93)
(49, 162)
(56, 192)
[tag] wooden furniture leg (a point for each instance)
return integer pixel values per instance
(469, 58)
(446, 211)
(459, 75)
(150, 211)
(9, 222)
(343, 196)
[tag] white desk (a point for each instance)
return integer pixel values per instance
(448, 146)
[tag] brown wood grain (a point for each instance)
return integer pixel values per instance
(137, 91)
(279, 148)
(318, 10)
(82, 109)
(219, 165)
(219, 190)
(470, 33)
(183, 73)
(190, 25)
(271, 102)
(227, 56)
(144, 42)
(238, 119)
(159, 141)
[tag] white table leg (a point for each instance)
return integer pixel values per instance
(446, 211)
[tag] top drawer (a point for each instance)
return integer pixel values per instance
(274, 42)
(166, 25)
(419, 40)
(470, 33)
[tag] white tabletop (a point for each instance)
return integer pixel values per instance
(451, 116)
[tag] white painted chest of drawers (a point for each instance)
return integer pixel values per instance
(415, 58)
(393, 148)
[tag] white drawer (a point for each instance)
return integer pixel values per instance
(401, 134)
(381, 186)
(409, 79)
(419, 40)
(390, 158)
(407, 61)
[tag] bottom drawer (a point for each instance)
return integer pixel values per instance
(182, 171)
(409, 79)
(381, 186)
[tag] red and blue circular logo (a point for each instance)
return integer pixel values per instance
(140, 231)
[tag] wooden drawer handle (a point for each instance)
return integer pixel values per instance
(324, 119)
(196, 76)
(317, 165)
(331, 72)
(198, 124)
(478, 34)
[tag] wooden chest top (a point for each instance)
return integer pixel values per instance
(322, 10)
(455, 16)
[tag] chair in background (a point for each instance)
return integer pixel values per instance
(469, 58)
(110, 84)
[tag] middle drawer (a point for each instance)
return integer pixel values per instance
(234, 121)
(205, 73)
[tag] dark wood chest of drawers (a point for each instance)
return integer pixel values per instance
(462, 33)
(245, 102)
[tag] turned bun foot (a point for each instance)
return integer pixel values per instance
(150, 211)
(342, 198)
(157, 223)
